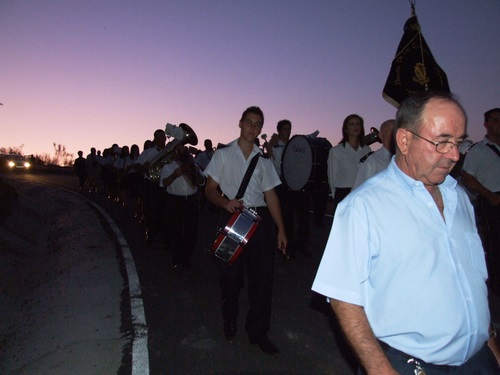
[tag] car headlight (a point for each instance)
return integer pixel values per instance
(27, 165)
(12, 164)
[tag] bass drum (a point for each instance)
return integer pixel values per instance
(304, 162)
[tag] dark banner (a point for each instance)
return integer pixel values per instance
(413, 68)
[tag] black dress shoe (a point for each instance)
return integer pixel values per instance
(265, 345)
(229, 331)
(150, 238)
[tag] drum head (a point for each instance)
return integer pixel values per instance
(297, 162)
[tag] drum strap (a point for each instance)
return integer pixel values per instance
(246, 177)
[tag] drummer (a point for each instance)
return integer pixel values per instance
(277, 144)
(293, 203)
(226, 171)
(343, 159)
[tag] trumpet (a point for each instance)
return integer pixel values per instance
(372, 137)
(183, 134)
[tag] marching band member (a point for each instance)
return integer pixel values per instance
(181, 179)
(374, 162)
(343, 159)
(153, 194)
(226, 171)
(293, 203)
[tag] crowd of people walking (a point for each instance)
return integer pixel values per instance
(170, 178)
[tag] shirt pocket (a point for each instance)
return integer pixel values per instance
(476, 252)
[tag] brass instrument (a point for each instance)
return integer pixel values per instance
(372, 137)
(183, 134)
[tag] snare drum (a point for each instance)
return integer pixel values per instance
(235, 235)
(304, 162)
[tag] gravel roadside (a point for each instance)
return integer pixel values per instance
(60, 284)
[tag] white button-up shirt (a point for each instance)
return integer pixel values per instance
(343, 165)
(420, 279)
(228, 166)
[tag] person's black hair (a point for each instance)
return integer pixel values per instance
(487, 114)
(282, 123)
(255, 110)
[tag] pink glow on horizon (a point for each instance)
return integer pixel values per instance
(90, 74)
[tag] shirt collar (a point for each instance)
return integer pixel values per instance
(409, 184)
(255, 149)
(488, 141)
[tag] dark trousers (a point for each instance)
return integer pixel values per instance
(295, 217)
(181, 227)
(482, 363)
(319, 194)
(257, 260)
(488, 222)
(154, 207)
(82, 177)
(340, 194)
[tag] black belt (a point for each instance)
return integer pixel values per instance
(259, 209)
(182, 197)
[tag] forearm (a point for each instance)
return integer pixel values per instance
(170, 179)
(357, 329)
(274, 208)
(473, 184)
(493, 345)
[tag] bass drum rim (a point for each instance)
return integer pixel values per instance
(308, 164)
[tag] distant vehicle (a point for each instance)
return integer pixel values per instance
(14, 163)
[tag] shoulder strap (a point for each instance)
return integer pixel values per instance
(246, 177)
(364, 158)
(495, 150)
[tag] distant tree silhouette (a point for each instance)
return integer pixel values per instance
(62, 157)
(12, 150)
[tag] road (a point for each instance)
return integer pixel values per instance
(182, 306)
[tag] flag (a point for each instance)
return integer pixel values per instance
(413, 68)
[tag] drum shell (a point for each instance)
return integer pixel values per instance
(304, 162)
(232, 238)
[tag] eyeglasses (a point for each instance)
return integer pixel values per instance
(250, 123)
(442, 147)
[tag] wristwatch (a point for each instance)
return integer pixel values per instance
(492, 332)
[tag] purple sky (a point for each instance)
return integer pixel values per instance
(95, 72)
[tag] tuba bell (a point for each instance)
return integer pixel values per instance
(183, 134)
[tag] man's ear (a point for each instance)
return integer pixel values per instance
(402, 140)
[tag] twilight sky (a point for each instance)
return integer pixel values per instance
(96, 72)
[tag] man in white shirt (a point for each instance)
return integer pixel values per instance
(404, 268)
(374, 162)
(481, 174)
(153, 193)
(181, 179)
(203, 158)
(294, 204)
(226, 171)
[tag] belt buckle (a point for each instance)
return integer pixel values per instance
(418, 368)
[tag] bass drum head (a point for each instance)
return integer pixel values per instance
(297, 162)
(304, 161)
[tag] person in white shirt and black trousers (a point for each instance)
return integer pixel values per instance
(181, 179)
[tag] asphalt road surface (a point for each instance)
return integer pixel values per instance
(182, 306)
